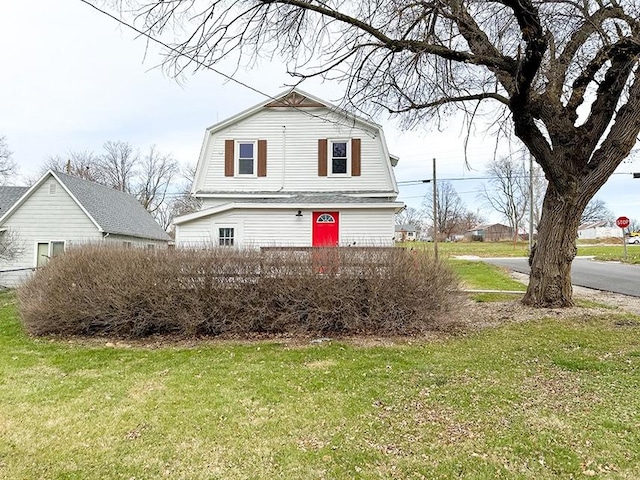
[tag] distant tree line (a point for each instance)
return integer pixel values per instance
(507, 192)
(153, 177)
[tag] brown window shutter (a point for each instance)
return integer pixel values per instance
(355, 157)
(262, 158)
(228, 158)
(322, 157)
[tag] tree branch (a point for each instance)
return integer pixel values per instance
(444, 101)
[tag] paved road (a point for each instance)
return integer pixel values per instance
(585, 272)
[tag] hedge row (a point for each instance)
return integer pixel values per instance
(136, 293)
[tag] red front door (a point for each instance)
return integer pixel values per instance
(325, 229)
(325, 234)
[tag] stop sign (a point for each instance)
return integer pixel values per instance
(622, 222)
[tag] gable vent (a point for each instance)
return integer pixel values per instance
(52, 188)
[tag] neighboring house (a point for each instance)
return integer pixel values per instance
(493, 232)
(59, 211)
(294, 171)
(595, 230)
(406, 233)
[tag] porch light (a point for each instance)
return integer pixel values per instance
(299, 214)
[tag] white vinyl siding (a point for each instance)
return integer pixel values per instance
(366, 228)
(282, 227)
(48, 215)
(293, 137)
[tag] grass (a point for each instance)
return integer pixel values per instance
(483, 276)
(606, 252)
(543, 399)
(480, 249)
(612, 252)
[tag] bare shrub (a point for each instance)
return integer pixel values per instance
(136, 293)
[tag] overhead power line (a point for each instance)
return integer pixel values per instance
(456, 179)
(222, 74)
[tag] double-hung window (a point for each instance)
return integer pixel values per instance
(226, 236)
(339, 157)
(246, 161)
(47, 250)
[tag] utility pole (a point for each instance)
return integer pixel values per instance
(435, 212)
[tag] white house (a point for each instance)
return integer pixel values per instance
(292, 171)
(59, 211)
(596, 230)
(406, 233)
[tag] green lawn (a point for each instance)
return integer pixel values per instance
(544, 399)
(476, 275)
(521, 249)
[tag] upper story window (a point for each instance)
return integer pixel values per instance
(339, 157)
(246, 158)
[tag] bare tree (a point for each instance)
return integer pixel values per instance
(149, 177)
(410, 216)
(116, 166)
(450, 210)
(78, 163)
(11, 245)
(597, 211)
(7, 165)
(182, 202)
(539, 189)
(157, 170)
(508, 191)
(564, 74)
(470, 220)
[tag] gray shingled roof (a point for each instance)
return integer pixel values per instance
(307, 199)
(405, 227)
(115, 211)
(9, 196)
(311, 197)
(267, 193)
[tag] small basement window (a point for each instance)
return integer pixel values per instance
(226, 237)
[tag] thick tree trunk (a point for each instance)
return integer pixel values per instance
(550, 278)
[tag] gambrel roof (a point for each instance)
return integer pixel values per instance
(301, 101)
(110, 210)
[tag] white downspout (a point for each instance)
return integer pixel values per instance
(284, 156)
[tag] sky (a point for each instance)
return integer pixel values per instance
(73, 78)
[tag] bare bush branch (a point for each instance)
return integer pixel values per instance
(88, 291)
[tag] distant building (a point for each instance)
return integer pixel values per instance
(406, 233)
(493, 232)
(596, 230)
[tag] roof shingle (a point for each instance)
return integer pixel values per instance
(115, 211)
